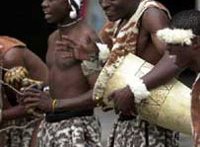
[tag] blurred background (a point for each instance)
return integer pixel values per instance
(24, 20)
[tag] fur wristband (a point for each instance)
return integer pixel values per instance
(138, 88)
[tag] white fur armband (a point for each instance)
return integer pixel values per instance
(138, 88)
(103, 52)
(176, 36)
(46, 89)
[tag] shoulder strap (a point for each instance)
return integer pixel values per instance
(144, 5)
(7, 43)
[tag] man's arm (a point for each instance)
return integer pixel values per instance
(152, 20)
(13, 113)
(162, 72)
(24, 57)
(82, 102)
(36, 67)
(165, 69)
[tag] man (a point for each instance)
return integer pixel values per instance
(184, 46)
(69, 107)
(132, 29)
(14, 53)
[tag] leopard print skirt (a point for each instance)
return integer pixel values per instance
(137, 133)
(19, 137)
(74, 132)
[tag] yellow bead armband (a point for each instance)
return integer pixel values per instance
(54, 104)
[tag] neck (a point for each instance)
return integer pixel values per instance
(72, 23)
(133, 7)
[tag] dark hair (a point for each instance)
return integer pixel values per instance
(187, 19)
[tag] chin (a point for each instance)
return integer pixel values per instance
(50, 21)
(112, 18)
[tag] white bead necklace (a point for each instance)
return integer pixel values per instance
(69, 24)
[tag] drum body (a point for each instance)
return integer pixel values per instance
(168, 105)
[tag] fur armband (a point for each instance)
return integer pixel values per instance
(103, 52)
(176, 36)
(46, 89)
(138, 88)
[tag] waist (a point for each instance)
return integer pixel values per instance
(62, 115)
(125, 117)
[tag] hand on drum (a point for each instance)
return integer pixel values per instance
(80, 50)
(34, 98)
(123, 101)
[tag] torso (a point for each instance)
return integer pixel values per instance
(66, 78)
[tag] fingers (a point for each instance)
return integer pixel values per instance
(92, 47)
(111, 97)
(60, 46)
(31, 100)
(31, 90)
(66, 48)
(68, 55)
(31, 106)
(31, 94)
(129, 110)
(66, 41)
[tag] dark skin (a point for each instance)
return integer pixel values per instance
(187, 55)
(37, 69)
(149, 47)
(66, 50)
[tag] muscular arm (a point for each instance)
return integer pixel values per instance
(24, 57)
(36, 67)
(153, 20)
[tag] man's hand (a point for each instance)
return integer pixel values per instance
(80, 50)
(123, 101)
(34, 98)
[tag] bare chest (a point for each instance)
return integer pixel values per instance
(58, 59)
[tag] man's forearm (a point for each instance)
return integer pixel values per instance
(81, 102)
(162, 72)
(13, 113)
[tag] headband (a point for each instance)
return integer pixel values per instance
(76, 6)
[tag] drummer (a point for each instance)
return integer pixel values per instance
(184, 46)
(132, 29)
(15, 53)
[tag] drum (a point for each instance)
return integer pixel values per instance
(168, 105)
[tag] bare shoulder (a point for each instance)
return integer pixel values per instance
(52, 36)
(14, 56)
(15, 51)
(154, 19)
